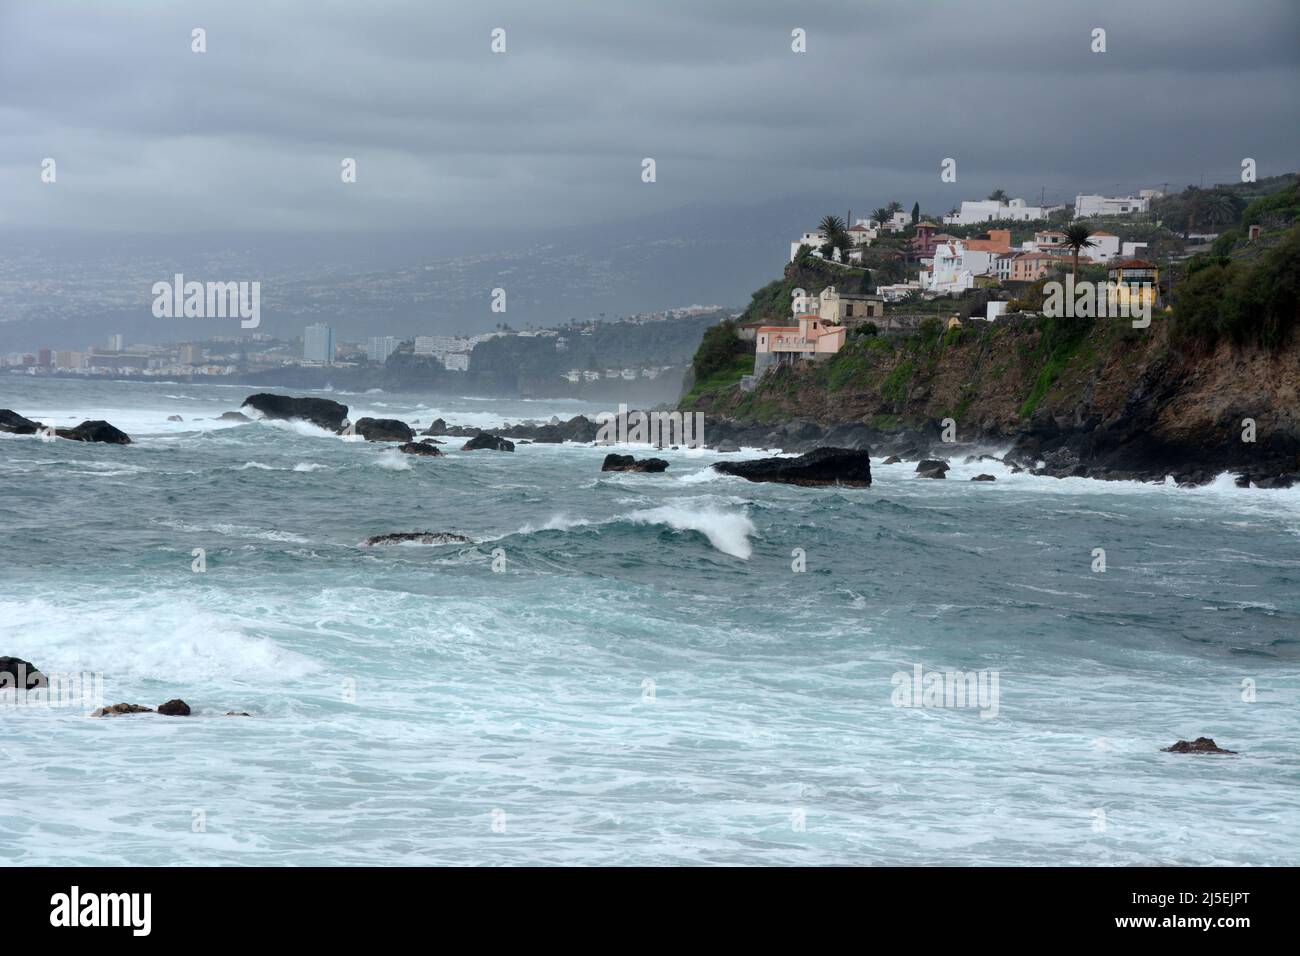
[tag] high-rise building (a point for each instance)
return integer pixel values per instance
(116, 343)
(46, 357)
(318, 343)
(69, 359)
(191, 355)
(379, 347)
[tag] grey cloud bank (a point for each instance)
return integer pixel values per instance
(449, 136)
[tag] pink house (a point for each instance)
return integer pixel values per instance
(814, 338)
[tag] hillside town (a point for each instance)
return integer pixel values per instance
(987, 258)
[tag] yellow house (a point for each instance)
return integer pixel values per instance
(1137, 283)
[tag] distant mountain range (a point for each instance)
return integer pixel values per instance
(70, 292)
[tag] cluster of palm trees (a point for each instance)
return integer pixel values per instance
(886, 213)
(836, 231)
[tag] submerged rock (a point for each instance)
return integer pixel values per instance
(174, 708)
(983, 478)
(321, 412)
(11, 421)
(97, 430)
(892, 460)
(628, 463)
(932, 468)
(821, 466)
(233, 417)
(115, 709)
(175, 418)
(418, 537)
(383, 429)
(238, 713)
(1201, 745)
(491, 442)
(20, 674)
(420, 448)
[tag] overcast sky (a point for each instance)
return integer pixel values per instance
(149, 136)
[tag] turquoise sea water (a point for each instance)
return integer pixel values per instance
(645, 679)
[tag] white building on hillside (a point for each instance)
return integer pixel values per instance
(437, 344)
(814, 239)
(862, 233)
(992, 210)
(1086, 207)
(954, 268)
(1105, 246)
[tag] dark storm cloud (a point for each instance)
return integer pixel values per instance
(249, 136)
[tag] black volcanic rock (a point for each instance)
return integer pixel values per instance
(1201, 745)
(321, 412)
(418, 537)
(628, 463)
(20, 674)
(420, 448)
(174, 708)
(175, 418)
(984, 478)
(484, 440)
(436, 427)
(97, 430)
(15, 423)
(892, 460)
(821, 466)
(114, 709)
(233, 417)
(383, 429)
(932, 468)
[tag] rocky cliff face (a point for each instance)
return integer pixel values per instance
(1091, 397)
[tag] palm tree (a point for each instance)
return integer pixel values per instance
(1077, 238)
(830, 225)
(1213, 207)
(894, 207)
(837, 237)
(881, 215)
(998, 195)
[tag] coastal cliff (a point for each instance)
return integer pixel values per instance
(1212, 385)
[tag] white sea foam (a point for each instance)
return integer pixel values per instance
(728, 531)
(157, 636)
(393, 460)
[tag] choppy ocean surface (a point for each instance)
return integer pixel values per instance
(645, 680)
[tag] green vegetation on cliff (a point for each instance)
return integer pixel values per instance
(1248, 302)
